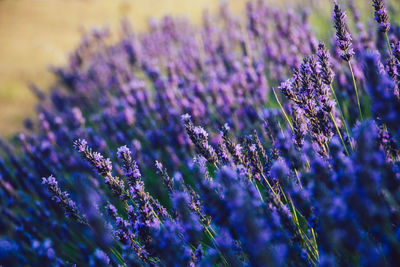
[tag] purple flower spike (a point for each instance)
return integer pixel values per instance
(63, 200)
(381, 15)
(343, 37)
(324, 61)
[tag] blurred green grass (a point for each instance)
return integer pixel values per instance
(35, 34)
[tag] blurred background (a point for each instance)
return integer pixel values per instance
(36, 34)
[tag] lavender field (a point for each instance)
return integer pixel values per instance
(242, 141)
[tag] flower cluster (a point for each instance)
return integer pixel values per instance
(62, 199)
(187, 155)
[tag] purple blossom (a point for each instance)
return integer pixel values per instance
(123, 150)
(185, 117)
(63, 200)
(381, 15)
(272, 188)
(323, 55)
(343, 37)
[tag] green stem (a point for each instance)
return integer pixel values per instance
(342, 115)
(388, 44)
(338, 131)
(305, 238)
(284, 113)
(307, 242)
(298, 178)
(356, 90)
(216, 245)
(118, 256)
(269, 185)
(259, 192)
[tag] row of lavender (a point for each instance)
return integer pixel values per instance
(314, 180)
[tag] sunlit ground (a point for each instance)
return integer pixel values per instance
(35, 34)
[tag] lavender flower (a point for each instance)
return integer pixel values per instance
(99, 258)
(287, 90)
(102, 165)
(63, 200)
(276, 191)
(324, 61)
(168, 182)
(396, 50)
(199, 138)
(131, 169)
(299, 126)
(343, 37)
(252, 159)
(388, 144)
(381, 15)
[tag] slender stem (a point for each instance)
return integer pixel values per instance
(388, 44)
(314, 252)
(215, 244)
(255, 184)
(355, 89)
(130, 197)
(259, 192)
(269, 185)
(315, 244)
(342, 115)
(298, 178)
(303, 235)
(284, 113)
(118, 256)
(283, 193)
(338, 131)
(326, 148)
(216, 166)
